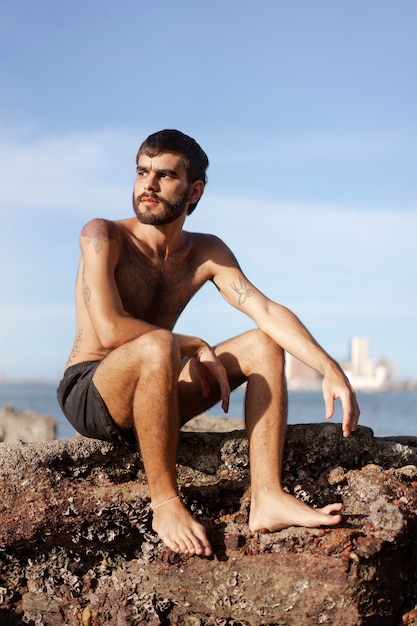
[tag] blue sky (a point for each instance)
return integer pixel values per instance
(307, 111)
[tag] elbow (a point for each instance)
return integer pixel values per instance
(109, 344)
(109, 337)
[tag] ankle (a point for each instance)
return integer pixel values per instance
(159, 504)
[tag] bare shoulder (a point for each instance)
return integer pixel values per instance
(100, 228)
(212, 248)
(99, 231)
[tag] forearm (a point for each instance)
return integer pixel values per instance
(118, 330)
(287, 330)
(290, 333)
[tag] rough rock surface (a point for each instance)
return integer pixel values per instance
(76, 545)
(25, 426)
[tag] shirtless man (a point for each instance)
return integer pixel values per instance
(126, 378)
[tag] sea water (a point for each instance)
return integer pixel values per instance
(387, 413)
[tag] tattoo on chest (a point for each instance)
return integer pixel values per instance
(243, 291)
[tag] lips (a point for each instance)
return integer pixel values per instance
(149, 200)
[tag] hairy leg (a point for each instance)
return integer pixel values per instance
(254, 357)
(139, 384)
(271, 507)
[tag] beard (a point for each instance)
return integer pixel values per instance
(171, 210)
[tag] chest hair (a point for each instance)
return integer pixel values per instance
(156, 291)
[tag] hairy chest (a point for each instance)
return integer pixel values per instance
(157, 292)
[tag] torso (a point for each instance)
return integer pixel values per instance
(158, 291)
(153, 290)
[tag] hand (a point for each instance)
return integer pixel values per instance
(208, 366)
(337, 386)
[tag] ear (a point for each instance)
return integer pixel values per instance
(196, 191)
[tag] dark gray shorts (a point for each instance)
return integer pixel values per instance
(85, 409)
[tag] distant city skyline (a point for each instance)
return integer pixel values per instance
(363, 372)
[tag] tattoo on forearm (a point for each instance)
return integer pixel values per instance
(77, 343)
(86, 291)
(244, 292)
(98, 231)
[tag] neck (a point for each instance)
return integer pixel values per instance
(161, 241)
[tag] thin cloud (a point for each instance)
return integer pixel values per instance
(322, 255)
(67, 172)
(345, 270)
(315, 145)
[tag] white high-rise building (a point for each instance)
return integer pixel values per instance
(359, 356)
(364, 373)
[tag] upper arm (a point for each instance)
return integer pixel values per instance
(100, 249)
(233, 285)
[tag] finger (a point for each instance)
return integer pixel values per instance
(226, 400)
(350, 416)
(224, 389)
(346, 429)
(346, 417)
(205, 386)
(350, 411)
(329, 405)
(201, 371)
(223, 383)
(220, 375)
(349, 422)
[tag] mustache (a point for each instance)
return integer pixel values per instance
(152, 196)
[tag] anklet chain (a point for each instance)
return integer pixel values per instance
(162, 503)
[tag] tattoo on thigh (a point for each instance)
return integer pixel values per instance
(244, 292)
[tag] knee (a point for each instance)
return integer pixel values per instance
(160, 348)
(265, 351)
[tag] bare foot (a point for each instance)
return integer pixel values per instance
(278, 510)
(179, 531)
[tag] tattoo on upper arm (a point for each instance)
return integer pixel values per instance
(244, 292)
(86, 291)
(98, 231)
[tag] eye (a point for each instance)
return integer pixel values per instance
(170, 174)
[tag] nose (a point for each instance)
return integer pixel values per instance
(151, 182)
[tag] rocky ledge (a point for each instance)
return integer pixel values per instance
(25, 425)
(76, 545)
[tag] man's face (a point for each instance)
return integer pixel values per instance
(161, 192)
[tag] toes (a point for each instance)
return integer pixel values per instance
(332, 509)
(180, 532)
(332, 513)
(173, 546)
(200, 546)
(189, 544)
(204, 550)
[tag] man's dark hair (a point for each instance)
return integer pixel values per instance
(195, 159)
